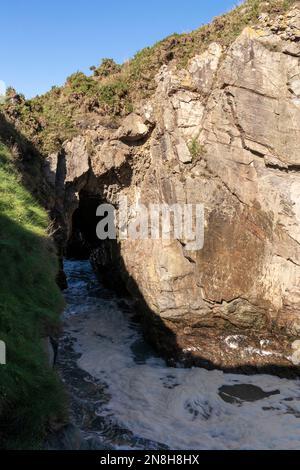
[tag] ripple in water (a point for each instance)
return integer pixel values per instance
(123, 394)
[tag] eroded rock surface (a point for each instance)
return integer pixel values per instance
(225, 132)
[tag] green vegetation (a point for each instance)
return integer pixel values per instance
(30, 304)
(196, 149)
(108, 67)
(113, 89)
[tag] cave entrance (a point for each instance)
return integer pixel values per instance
(83, 237)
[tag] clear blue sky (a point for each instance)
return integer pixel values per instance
(44, 41)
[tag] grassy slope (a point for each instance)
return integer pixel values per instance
(113, 90)
(30, 303)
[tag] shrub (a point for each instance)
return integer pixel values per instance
(114, 95)
(80, 83)
(196, 149)
(108, 67)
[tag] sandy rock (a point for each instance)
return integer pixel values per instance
(296, 345)
(133, 129)
(183, 152)
(76, 158)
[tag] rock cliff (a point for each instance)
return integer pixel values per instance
(224, 132)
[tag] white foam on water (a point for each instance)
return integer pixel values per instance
(180, 408)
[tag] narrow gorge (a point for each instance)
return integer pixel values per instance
(154, 335)
(223, 132)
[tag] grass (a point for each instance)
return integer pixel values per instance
(30, 304)
(113, 89)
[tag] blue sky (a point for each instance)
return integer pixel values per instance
(43, 42)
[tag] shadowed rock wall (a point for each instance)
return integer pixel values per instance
(225, 132)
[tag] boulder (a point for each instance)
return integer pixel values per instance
(133, 129)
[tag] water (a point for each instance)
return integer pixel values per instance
(126, 397)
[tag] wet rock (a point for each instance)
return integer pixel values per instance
(239, 393)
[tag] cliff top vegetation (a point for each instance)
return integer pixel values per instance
(112, 90)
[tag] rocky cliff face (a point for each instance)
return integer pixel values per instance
(224, 132)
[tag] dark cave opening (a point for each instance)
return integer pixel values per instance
(83, 243)
(83, 237)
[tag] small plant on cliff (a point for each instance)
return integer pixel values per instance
(196, 149)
